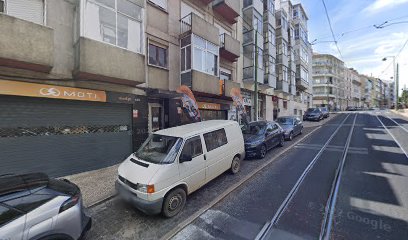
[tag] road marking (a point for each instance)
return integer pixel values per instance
(406, 130)
(295, 188)
(333, 148)
(190, 219)
(331, 203)
(399, 145)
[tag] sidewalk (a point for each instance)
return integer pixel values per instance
(402, 112)
(96, 185)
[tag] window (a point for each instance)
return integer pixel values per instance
(215, 139)
(32, 11)
(159, 149)
(284, 23)
(257, 24)
(193, 147)
(205, 56)
(295, 13)
(29, 202)
(160, 3)
(285, 104)
(186, 54)
(117, 22)
(157, 56)
(225, 74)
(7, 215)
(271, 36)
(275, 127)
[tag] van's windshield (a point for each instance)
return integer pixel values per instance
(159, 149)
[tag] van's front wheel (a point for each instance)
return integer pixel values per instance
(235, 165)
(174, 202)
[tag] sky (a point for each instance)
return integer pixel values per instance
(362, 46)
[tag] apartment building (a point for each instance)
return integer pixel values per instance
(82, 82)
(367, 86)
(354, 88)
(329, 82)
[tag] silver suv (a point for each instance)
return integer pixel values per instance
(33, 206)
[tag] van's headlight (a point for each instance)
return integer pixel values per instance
(146, 188)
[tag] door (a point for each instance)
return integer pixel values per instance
(193, 172)
(62, 137)
(217, 153)
(276, 134)
(298, 126)
(269, 136)
(11, 223)
(155, 121)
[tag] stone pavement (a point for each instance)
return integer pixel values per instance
(96, 185)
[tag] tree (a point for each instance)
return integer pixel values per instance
(404, 97)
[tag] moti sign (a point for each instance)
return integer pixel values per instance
(50, 91)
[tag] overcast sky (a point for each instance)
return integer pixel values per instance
(362, 45)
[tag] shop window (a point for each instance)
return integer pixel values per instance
(215, 139)
(193, 147)
(117, 22)
(157, 56)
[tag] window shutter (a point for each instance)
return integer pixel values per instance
(30, 10)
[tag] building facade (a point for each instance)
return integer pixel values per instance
(329, 82)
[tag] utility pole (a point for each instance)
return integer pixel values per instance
(396, 85)
(256, 74)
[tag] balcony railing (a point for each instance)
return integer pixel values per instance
(185, 24)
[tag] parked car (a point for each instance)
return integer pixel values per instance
(351, 109)
(313, 114)
(325, 112)
(34, 206)
(175, 162)
(292, 126)
(260, 136)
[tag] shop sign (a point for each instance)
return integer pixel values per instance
(117, 97)
(209, 106)
(246, 98)
(50, 91)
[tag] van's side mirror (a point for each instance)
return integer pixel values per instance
(185, 158)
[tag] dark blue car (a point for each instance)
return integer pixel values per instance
(261, 136)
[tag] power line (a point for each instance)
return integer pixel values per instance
(396, 56)
(331, 29)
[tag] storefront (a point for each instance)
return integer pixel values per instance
(63, 130)
(213, 111)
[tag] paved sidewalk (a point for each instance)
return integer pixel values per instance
(403, 112)
(96, 185)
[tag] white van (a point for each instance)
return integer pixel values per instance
(175, 162)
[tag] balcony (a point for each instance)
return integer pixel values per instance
(201, 82)
(256, 4)
(99, 61)
(249, 74)
(270, 49)
(26, 45)
(292, 89)
(269, 18)
(323, 95)
(301, 84)
(270, 79)
(206, 2)
(283, 59)
(194, 24)
(230, 47)
(282, 86)
(229, 9)
(249, 38)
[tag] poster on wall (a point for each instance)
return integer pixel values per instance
(189, 103)
(239, 104)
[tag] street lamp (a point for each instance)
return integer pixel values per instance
(395, 79)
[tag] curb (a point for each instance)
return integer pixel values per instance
(400, 113)
(102, 201)
(186, 222)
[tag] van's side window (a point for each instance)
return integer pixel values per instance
(193, 147)
(215, 139)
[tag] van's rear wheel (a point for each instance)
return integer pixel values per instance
(174, 202)
(235, 165)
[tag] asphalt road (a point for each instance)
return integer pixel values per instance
(114, 219)
(371, 201)
(296, 190)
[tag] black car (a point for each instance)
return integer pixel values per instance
(325, 112)
(261, 136)
(313, 114)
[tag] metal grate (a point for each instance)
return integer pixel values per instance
(60, 130)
